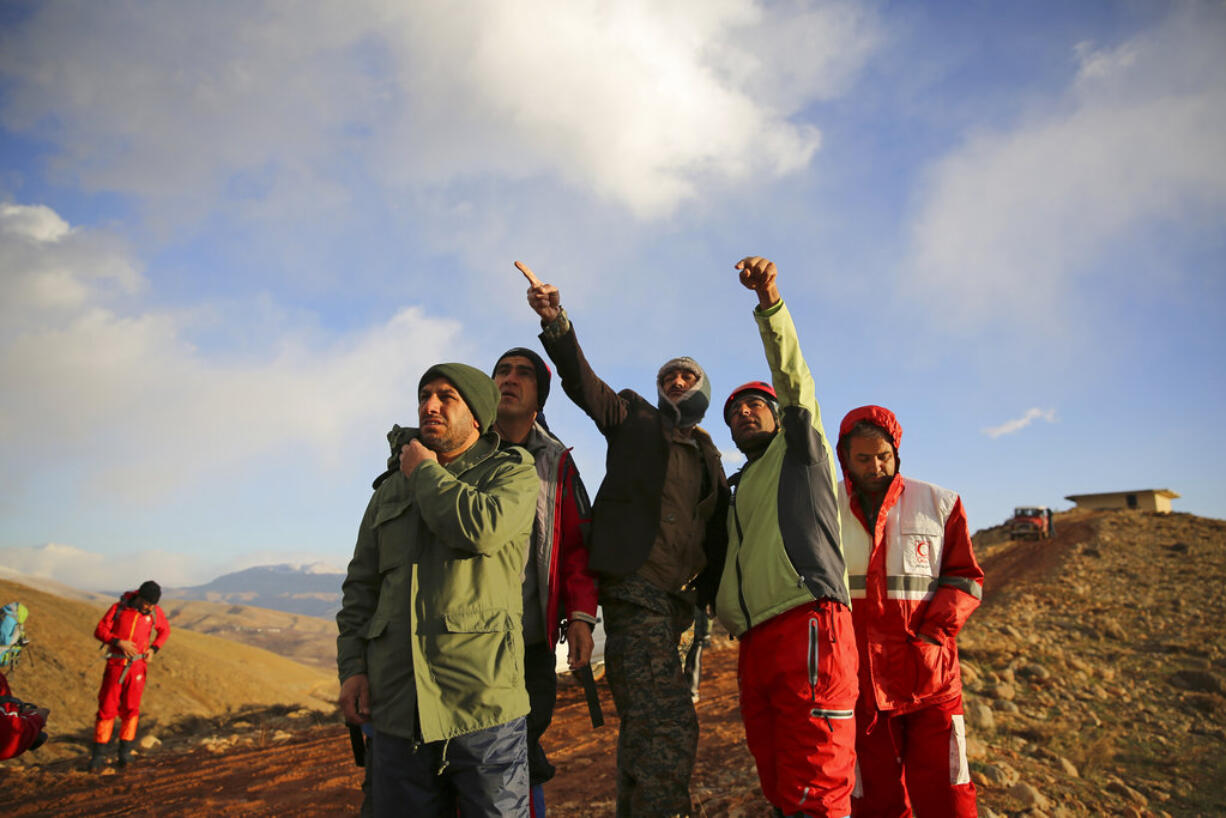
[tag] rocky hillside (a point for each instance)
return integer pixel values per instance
(1096, 669)
(1094, 686)
(195, 676)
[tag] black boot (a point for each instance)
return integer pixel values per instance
(126, 754)
(97, 760)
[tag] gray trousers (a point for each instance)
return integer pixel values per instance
(482, 775)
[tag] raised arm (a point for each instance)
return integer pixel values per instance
(595, 397)
(800, 415)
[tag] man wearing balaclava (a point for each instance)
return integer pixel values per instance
(430, 641)
(657, 544)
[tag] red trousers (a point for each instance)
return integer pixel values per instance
(916, 761)
(797, 674)
(115, 699)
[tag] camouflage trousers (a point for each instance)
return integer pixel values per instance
(658, 739)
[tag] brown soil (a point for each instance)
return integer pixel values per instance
(307, 769)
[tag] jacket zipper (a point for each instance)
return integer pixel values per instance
(740, 577)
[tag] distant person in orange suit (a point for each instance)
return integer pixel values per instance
(131, 631)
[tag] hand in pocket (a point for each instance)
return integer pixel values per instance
(930, 663)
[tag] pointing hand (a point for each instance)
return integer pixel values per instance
(543, 298)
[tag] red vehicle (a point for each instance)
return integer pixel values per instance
(1030, 523)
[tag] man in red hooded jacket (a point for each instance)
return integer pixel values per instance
(132, 630)
(914, 582)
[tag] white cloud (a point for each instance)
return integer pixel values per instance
(37, 223)
(732, 459)
(122, 390)
(1017, 424)
(89, 571)
(1011, 220)
(46, 268)
(635, 102)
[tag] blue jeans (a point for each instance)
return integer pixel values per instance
(482, 774)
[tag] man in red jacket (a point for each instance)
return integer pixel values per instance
(559, 590)
(21, 724)
(914, 582)
(132, 631)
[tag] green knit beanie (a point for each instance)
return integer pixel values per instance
(477, 389)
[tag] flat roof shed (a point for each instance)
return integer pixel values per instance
(1141, 499)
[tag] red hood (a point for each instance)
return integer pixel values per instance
(878, 415)
(884, 418)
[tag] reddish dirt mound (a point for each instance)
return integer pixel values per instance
(311, 773)
(1022, 562)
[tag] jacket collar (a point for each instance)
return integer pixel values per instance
(485, 447)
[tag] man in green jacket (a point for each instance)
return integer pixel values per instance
(431, 640)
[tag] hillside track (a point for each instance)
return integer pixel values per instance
(310, 774)
(310, 771)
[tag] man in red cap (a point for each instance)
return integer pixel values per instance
(783, 592)
(132, 631)
(914, 581)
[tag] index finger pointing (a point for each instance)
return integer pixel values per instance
(528, 274)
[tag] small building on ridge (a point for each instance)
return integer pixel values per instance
(1141, 499)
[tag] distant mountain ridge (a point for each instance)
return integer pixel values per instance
(309, 590)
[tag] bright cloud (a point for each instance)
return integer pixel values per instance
(635, 102)
(123, 389)
(1017, 424)
(91, 571)
(1013, 218)
(46, 268)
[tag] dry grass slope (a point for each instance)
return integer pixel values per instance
(196, 675)
(306, 639)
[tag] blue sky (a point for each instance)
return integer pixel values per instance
(232, 236)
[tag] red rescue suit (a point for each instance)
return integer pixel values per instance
(123, 682)
(19, 726)
(914, 582)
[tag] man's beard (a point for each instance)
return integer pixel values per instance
(754, 443)
(872, 485)
(443, 441)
